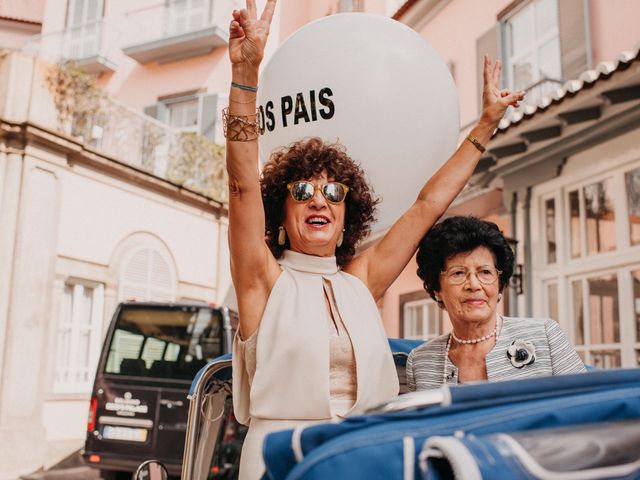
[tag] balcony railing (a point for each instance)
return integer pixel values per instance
(125, 134)
(540, 89)
(102, 124)
(91, 45)
(177, 29)
(183, 158)
(534, 93)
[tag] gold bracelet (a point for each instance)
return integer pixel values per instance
(476, 143)
(240, 128)
(242, 103)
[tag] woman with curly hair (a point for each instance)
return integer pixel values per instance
(465, 263)
(311, 346)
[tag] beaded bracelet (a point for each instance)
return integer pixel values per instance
(244, 87)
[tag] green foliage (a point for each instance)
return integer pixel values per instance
(199, 164)
(194, 162)
(76, 96)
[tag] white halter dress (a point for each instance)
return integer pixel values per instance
(294, 371)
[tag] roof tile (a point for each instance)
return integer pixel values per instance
(602, 71)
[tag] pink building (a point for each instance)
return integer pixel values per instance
(561, 175)
(19, 21)
(90, 200)
(167, 59)
(104, 197)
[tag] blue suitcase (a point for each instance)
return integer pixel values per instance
(578, 426)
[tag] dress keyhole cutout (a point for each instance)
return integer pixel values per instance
(331, 303)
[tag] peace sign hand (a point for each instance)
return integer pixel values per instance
(495, 101)
(248, 34)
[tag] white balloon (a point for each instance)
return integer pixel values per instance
(373, 85)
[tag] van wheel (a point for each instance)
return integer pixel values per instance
(111, 475)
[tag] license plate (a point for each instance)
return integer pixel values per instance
(124, 433)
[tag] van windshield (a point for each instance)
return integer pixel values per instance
(164, 342)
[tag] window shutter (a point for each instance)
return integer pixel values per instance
(208, 115)
(137, 268)
(198, 15)
(487, 44)
(573, 38)
(78, 338)
(151, 110)
(83, 33)
(84, 11)
(135, 277)
(147, 277)
(161, 282)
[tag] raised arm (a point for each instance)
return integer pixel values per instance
(253, 267)
(381, 264)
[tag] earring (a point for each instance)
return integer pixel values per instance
(282, 236)
(499, 297)
(340, 238)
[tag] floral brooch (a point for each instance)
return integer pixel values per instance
(521, 353)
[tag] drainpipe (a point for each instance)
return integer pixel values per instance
(513, 304)
(587, 33)
(527, 254)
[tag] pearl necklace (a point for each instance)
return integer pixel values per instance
(445, 377)
(475, 340)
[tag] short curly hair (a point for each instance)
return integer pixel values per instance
(306, 159)
(460, 234)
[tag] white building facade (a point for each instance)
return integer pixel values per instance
(81, 231)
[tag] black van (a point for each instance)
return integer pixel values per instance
(139, 405)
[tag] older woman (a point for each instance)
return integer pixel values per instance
(465, 264)
(311, 346)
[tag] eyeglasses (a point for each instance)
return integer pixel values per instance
(302, 191)
(459, 275)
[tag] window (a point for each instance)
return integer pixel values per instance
(635, 275)
(552, 300)
(351, 6)
(423, 319)
(592, 219)
(532, 48)
(78, 337)
(550, 228)
(599, 217)
(147, 276)
(597, 320)
(183, 114)
(172, 342)
(83, 28)
(632, 181)
(574, 225)
(593, 286)
(186, 15)
(191, 111)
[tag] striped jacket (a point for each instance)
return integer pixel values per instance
(554, 355)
